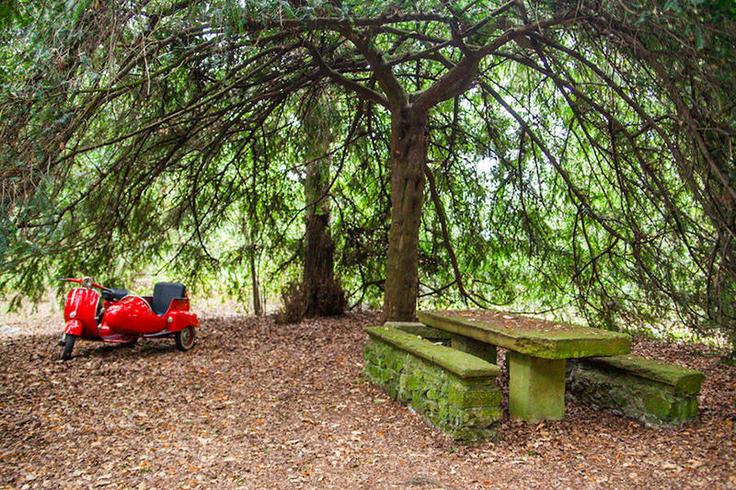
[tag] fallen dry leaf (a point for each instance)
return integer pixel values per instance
(259, 405)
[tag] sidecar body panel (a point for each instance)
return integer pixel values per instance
(134, 315)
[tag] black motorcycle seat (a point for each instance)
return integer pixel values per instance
(114, 294)
(164, 293)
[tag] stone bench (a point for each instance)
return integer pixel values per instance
(420, 329)
(454, 391)
(652, 392)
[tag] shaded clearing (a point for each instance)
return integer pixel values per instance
(257, 405)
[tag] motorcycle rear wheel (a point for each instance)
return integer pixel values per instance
(68, 346)
(185, 338)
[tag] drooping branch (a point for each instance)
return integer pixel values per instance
(442, 217)
(359, 89)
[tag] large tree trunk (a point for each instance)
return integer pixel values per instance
(323, 294)
(408, 155)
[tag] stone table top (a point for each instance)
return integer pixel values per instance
(530, 336)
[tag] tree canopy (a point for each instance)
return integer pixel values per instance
(554, 154)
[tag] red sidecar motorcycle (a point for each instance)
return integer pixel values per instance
(115, 316)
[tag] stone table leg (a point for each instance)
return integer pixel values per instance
(536, 387)
(476, 348)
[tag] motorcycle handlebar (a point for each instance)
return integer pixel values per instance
(82, 281)
(69, 279)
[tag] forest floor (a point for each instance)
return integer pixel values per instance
(259, 405)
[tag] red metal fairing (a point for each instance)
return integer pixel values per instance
(81, 306)
(74, 327)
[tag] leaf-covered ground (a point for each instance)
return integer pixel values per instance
(258, 405)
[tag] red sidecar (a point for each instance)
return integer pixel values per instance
(115, 316)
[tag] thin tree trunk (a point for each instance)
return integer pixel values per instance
(251, 251)
(257, 308)
(408, 155)
(318, 248)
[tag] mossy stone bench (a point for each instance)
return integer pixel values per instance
(652, 392)
(538, 350)
(423, 331)
(454, 391)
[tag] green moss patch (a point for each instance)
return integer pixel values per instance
(466, 408)
(683, 380)
(459, 363)
(530, 336)
(420, 329)
(476, 348)
(638, 388)
(536, 387)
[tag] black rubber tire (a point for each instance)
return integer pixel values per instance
(68, 347)
(185, 338)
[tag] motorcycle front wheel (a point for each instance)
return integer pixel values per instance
(67, 346)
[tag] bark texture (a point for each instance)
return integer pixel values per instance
(408, 154)
(322, 293)
(257, 307)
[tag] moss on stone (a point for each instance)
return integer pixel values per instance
(657, 405)
(459, 363)
(645, 399)
(536, 387)
(476, 348)
(571, 342)
(683, 380)
(465, 408)
(420, 329)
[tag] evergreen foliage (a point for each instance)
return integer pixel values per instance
(587, 165)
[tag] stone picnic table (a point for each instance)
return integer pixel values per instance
(538, 350)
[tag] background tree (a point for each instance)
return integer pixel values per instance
(322, 292)
(602, 128)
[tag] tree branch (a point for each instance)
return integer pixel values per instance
(458, 78)
(361, 90)
(384, 75)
